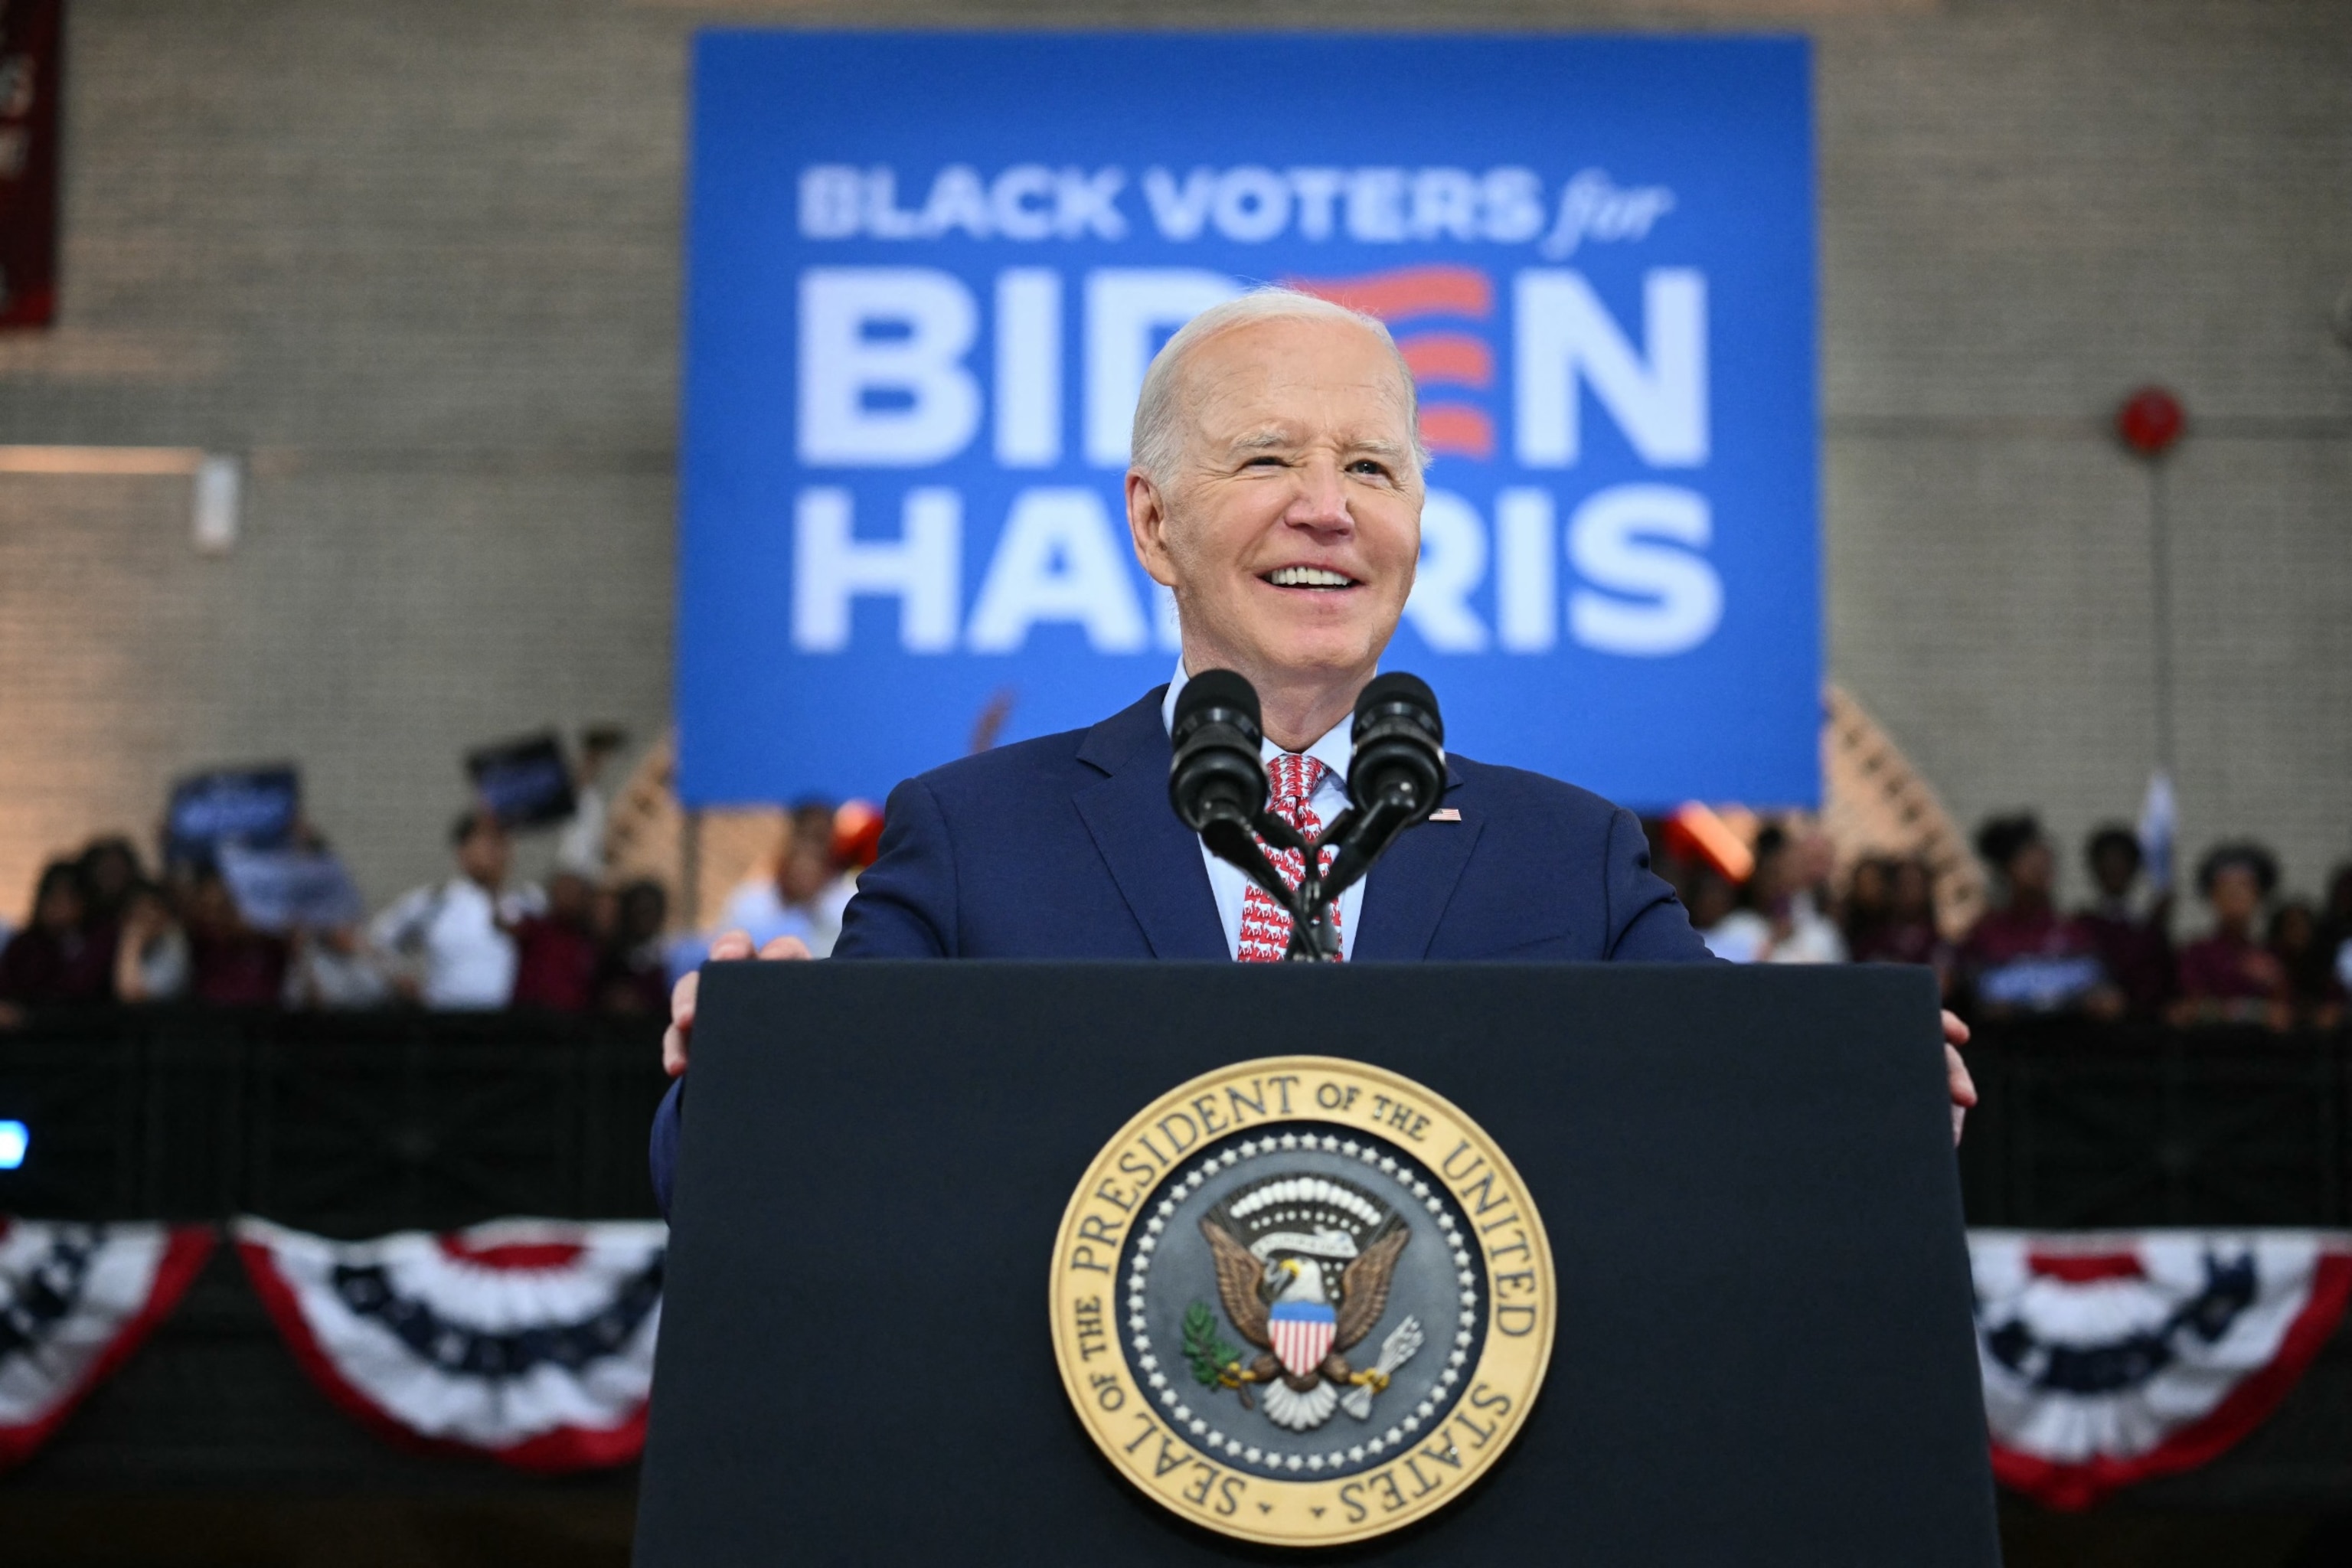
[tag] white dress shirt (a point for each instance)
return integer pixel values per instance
(1231, 887)
(451, 936)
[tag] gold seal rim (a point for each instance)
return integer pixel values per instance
(1525, 1386)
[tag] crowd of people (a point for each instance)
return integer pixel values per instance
(2280, 963)
(102, 929)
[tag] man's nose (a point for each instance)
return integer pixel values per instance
(1321, 503)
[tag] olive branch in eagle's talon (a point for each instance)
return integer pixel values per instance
(1215, 1363)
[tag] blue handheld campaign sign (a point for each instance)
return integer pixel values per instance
(257, 806)
(926, 273)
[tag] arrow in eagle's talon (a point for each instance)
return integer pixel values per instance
(1399, 1347)
(1395, 1350)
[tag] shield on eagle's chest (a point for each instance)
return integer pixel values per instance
(1302, 1334)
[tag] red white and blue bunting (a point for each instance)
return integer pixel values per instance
(2105, 1361)
(75, 1302)
(2109, 1361)
(531, 1342)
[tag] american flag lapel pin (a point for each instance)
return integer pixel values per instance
(1446, 813)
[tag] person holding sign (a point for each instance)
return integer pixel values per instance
(1276, 487)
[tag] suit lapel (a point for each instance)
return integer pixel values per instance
(1153, 859)
(1406, 893)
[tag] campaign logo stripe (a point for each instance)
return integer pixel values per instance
(1407, 291)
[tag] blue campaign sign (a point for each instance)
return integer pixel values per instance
(926, 273)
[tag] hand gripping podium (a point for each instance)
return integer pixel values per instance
(890, 1296)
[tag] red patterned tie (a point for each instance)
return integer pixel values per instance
(1265, 925)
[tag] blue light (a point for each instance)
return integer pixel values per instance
(13, 1140)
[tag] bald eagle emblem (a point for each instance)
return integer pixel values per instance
(1302, 1269)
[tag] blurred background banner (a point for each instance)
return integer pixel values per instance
(925, 274)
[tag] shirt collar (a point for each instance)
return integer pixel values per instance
(1333, 751)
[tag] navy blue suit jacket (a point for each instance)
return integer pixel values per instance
(1065, 847)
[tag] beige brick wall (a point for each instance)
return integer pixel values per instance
(418, 262)
(2026, 211)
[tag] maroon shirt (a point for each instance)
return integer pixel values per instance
(2138, 956)
(1900, 942)
(2221, 968)
(42, 968)
(2035, 959)
(633, 983)
(556, 965)
(2001, 936)
(237, 969)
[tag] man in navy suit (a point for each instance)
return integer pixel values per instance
(1276, 490)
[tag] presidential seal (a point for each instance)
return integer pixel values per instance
(1302, 1301)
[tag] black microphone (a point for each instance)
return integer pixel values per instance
(1216, 774)
(1217, 782)
(1399, 747)
(1396, 775)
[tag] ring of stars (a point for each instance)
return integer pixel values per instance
(1236, 1450)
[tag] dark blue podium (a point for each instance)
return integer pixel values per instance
(1764, 1353)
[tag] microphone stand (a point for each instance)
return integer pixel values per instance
(1218, 789)
(1235, 838)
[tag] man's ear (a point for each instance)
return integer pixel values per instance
(1146, 524)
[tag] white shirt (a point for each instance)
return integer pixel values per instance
(1743, 936)
(1737, 937)
(1814, 938)
(163, 966)
(581, 846)
(321, 977)
(757, 911)
(827, 910)
(1330, 798)
(451, 935)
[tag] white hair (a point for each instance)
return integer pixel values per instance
(1158, 440)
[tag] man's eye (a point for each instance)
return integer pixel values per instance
(1369, 466)
(1268, 461)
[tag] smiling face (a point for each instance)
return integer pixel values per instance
(1290, 524)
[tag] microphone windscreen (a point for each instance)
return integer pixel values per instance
(1398, 689)
(1214, 688)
